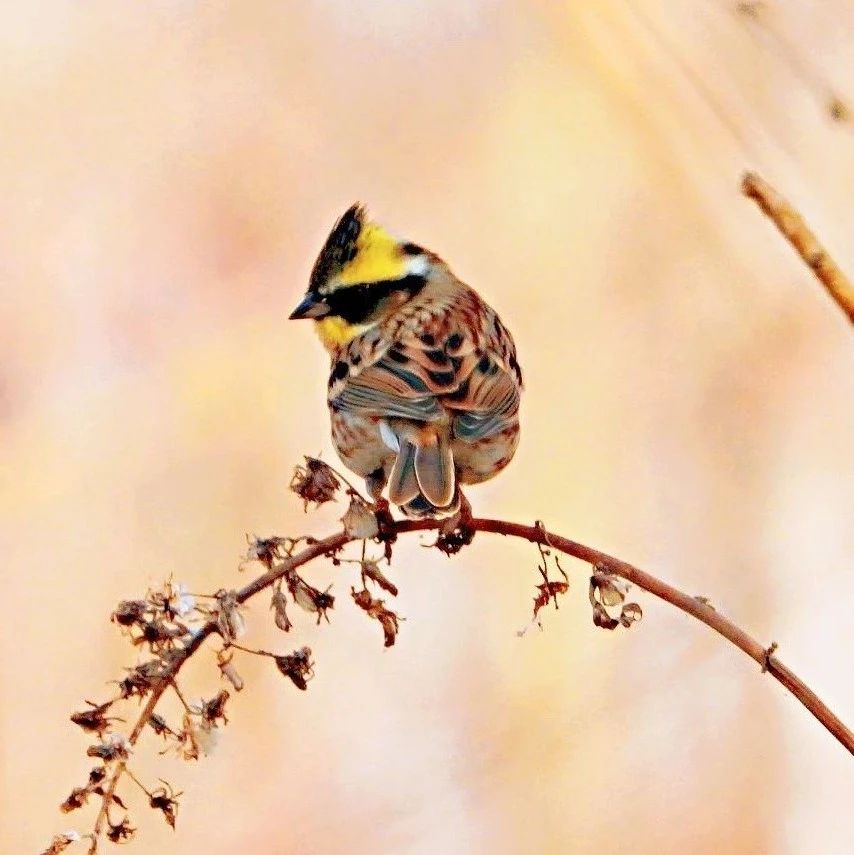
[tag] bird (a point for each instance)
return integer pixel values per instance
(424, 383)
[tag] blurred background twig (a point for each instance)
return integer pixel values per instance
(793, 227)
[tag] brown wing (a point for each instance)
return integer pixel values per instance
(451, 372)
(457, 358)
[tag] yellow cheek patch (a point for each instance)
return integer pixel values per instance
(378, 257)
(335, 332)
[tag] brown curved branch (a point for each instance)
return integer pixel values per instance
(793, 227)
(693, 606)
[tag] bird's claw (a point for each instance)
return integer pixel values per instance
(456, 531)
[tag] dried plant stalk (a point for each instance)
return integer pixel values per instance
(792, 226)
(165, 624)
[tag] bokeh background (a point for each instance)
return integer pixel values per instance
(169, 171)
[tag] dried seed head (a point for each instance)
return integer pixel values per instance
(198, 737)
(549, 591)
(94, 720)
(315, 482)
(377, 610)
(227, 669)
(359, 520)
(171, 600)
(214, 709)
(630, 614)
(297, 666)
(371, 570)
(263, 549)
(269, 549)
(608, 591)
(129, 612)
(76, 800)
(158, 724)
(308, 597)
(188, 744)
(140, 680)
(114, 747)
(159, 635)
(121, 832)
(229, 619)
(130, 687)
(278, 604)
(166, 800)
(97, 775)
(602, 619)
(61, 842)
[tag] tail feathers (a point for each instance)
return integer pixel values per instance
(403, 483)
(423, 469)
(434, 469)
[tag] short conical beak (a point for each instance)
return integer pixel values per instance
(310, 307)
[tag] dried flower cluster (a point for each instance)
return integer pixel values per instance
(549, 590)
(297, 667)
(61, 842)
(377, 610)
(163, 625)
(607, 592)
(169, 624)
(316, 482)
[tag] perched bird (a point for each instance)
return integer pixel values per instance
(424, 384)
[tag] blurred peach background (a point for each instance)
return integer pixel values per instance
(169, 171)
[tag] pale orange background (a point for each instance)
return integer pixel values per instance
(168, 172)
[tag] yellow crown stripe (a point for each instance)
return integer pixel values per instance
(378, 257)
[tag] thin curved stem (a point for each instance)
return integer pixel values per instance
(690, 605)
(537, 534)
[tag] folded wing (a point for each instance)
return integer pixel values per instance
(451, 381)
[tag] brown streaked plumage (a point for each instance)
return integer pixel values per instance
(424, 383)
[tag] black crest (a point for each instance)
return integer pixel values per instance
(340, 246)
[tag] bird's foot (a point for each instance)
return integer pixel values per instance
(385, 523)
(456, 531)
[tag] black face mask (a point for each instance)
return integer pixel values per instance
(356, 304)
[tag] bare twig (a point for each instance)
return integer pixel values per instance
(694, 606)
(792, 226)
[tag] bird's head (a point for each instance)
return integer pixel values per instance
(361, 275)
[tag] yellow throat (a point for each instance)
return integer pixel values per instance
(335, 332)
